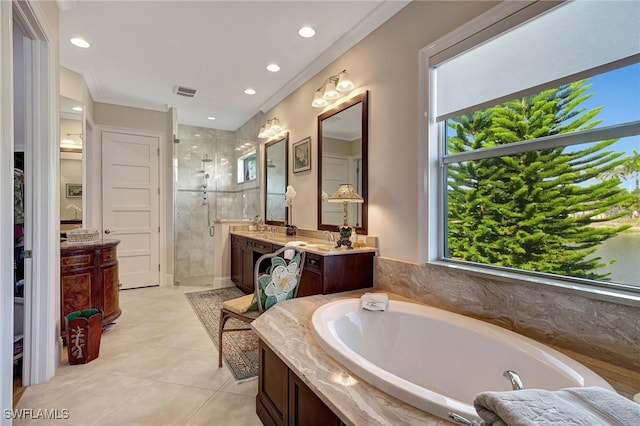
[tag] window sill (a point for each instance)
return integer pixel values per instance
(592, 292)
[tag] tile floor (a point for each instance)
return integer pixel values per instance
(157, 366)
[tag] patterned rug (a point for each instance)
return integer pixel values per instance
(240, 347)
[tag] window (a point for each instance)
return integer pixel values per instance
(537, 160)
(247, 167)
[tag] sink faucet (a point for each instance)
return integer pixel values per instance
(269, 230)
(328, 236)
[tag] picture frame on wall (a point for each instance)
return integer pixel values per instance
(74, 190)
(302, 155)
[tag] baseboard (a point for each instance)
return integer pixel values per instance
(168, 279)
(222, 282)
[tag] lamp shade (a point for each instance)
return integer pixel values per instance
(344, 82)
(318, 100)
(330, 92)
(346, 193)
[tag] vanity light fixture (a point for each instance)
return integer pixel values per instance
(331, 88)
(270, 129)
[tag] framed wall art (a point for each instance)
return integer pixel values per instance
(302, 155)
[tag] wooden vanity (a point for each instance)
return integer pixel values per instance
(324, 272)
(89, 279)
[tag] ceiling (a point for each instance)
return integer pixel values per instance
(141, 50)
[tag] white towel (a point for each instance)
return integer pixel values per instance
(289, 254)
(569, 406)
(374, 301)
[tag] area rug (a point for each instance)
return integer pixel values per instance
(240, 348)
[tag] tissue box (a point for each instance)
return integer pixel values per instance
(82, 235)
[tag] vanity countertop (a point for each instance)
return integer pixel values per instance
(353, 400)
(311, 245)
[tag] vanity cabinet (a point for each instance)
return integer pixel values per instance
(284, 399)
(321, 274)
(89, 279)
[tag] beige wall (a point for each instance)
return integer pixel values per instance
(132, 118)
(386, 64)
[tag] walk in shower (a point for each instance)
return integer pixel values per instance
(215, 179)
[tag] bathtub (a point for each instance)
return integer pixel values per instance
(436, 360)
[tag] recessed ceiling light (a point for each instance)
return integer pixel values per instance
(211, 117)
(273, 67)
(78, 109)
(80, 42)
(249, 91)
(197, 135)
(306, 32)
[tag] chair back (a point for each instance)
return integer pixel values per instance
(281, 279)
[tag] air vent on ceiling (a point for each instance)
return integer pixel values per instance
(185, 91)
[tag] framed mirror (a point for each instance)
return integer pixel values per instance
(276, 158)
(342, 158)
(71, 149)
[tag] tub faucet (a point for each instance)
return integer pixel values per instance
(516, 381)
(328, 236)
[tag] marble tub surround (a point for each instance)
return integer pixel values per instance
(317, 244)
(353, 400)
(605, 336)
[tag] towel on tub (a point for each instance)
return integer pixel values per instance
(374, 301)
(580, 406)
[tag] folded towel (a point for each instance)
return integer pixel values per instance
(374, 301)
(571, 406)
(289, 254)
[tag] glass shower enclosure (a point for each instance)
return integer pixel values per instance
(215, 179)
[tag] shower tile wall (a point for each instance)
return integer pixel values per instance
(195, 257)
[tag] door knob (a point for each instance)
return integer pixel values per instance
(107, 231)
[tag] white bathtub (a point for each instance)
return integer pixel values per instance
(436, 360)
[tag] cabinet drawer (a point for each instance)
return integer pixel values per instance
(262, 248)
(81, 260)
(313, 262)
(108, 255)
(238, 242)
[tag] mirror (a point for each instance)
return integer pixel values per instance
(71, 142)
(276, 156)
(342, 158)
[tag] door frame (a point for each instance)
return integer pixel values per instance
(95, 163)
(42, 343)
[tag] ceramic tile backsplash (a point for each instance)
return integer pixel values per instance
(599, 329)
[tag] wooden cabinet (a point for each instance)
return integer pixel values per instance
(284, 399)
(321, 275)
(89, 279)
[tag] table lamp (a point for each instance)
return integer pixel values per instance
(345, 194)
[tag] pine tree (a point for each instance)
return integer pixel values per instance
(533, 211)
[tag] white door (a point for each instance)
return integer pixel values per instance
(335, 170)
(130, 204)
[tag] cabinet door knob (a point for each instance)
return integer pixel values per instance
(107, 231)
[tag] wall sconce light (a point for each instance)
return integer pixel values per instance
(270, 129)
(331, 88)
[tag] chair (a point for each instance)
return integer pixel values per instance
(279, 282)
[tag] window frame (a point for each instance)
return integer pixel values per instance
(433, 159)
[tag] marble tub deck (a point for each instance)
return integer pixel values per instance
(286, 329)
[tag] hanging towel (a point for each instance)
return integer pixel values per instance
(374, 301)
(579, 406)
